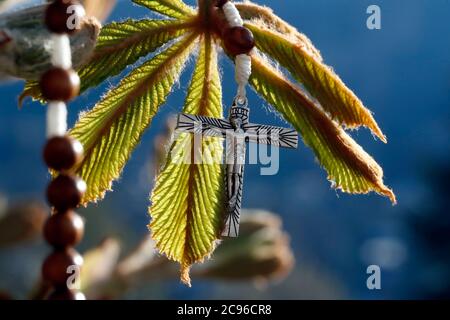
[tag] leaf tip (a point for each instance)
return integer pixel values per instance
(22, 99)
(381, 189)
(391, 195)
(185, 275)
(377, 132)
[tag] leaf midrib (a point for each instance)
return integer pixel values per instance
(194, 168)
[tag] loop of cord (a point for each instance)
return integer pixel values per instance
(232, 15)
(243, 72)
(243, 62)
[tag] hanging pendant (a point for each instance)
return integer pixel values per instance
(237, 132)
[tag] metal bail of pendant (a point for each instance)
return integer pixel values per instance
(240, 101)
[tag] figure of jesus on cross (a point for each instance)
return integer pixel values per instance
(237, 132)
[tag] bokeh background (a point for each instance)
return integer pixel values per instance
(401, 72)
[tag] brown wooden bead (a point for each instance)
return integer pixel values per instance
(59, 84)
(62, 153)
(64, 16)
(66, 294)
(220, 3)
(238, 40)
(65, 192)
(64, 229)
(60, 266)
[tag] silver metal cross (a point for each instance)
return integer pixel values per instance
(236, 131)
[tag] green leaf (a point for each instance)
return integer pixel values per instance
(112, 129)
(187, 204)
(349, 167)
(320, 80)
(172, 8)
(119, 45)
(265, 15)
(32, 90)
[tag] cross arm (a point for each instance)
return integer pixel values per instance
(206, 126)
(270, 135)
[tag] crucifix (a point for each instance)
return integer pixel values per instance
(237, 132)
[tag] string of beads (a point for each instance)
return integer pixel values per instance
(64, 229)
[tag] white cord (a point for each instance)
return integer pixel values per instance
(243, 62)
(61, 56)
(232, 14)
(56, 119)
(243, 72)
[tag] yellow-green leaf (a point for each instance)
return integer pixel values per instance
(112, 129)
(349, 167)
(119, 45)
(172, 8)
(253, 11)
(32, 90)
(186, 206)
(334, 96)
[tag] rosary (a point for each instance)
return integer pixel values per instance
(237, 131)
(64, 229)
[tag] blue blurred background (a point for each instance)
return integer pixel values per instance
(401, 72)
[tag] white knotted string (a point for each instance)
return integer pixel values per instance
(243, 72)
(232, 14)
(243, 62)
(56, 119)
(61, 57)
